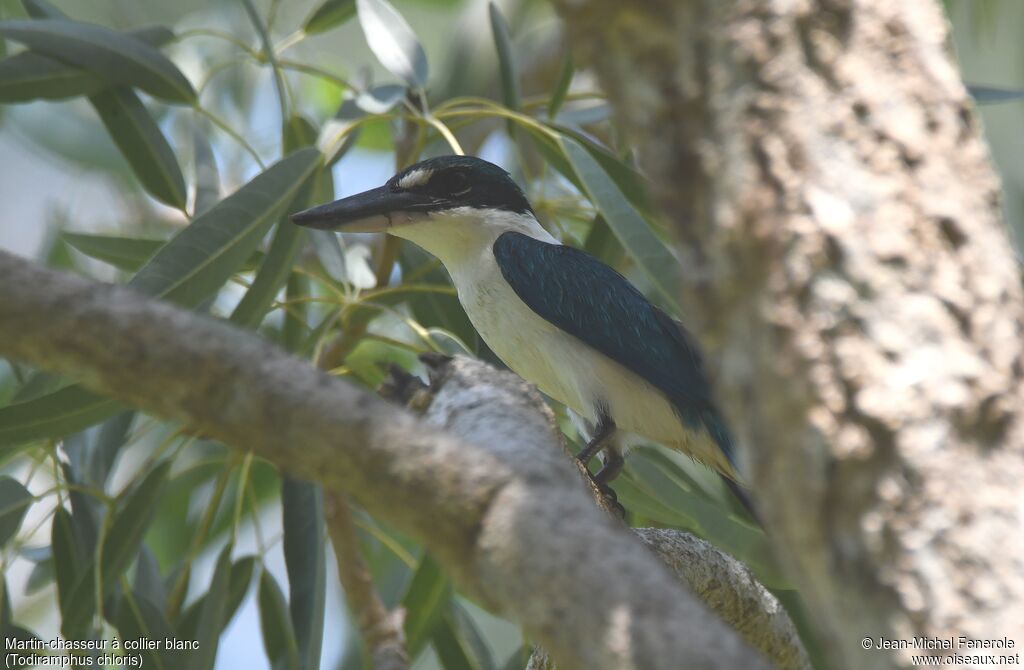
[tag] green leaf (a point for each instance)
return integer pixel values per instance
(199, 259)
(241, 575)
(328, 15)
(602, 243)
(632, 184)
(142, 144)
(393, 42)
(425, 602)
(207, 175)
(303, 510)
(30, 76)
(138, 618)
(450, 649)
(629, 226)
(14, 503)
(130, 520)
(506, 57)
(278, 635)
(459, 643)
(213, 615)
(125, 253)
(62, 412)
(114, 56)
(562, 87)
(288, 238)
(148, 583)
(130, 253)
(68, 558)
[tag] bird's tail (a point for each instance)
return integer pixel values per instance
(715, 425)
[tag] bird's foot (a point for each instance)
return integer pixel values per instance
(611, 499)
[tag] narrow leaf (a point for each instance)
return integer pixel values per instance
(138, 618)
(328, 15)
(425, 602)
(112, 55)
(393, 42)
(31, 76)
(199, 259)
(213, 615)
(303, 508)
(130, 520)
(506, 57)
(148, 583)
(276, 626)
(14, 503)
(68, 557)
(626, 222)
(562, 87)
(62, 412)
(125, 253)
(207, 174)
(241, 576)
(142, 144)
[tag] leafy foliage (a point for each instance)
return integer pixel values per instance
(207, 228)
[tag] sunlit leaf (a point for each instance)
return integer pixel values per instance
(112, 55)
(14, 503)
(629, 226)
(328, 15)
(31, 76)
(380, 99)
(393, 42)
(276, 626)
(142, 144)
(303, 509)
(425, 602)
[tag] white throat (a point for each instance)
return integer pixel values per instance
(457, 236)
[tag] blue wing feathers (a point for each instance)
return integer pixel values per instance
(591, 301)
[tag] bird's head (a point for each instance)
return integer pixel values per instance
(449, 205)
(434, 189)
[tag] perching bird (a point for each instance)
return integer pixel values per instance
(557, 316)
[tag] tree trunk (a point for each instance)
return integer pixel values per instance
(848, 272)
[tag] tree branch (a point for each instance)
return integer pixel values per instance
(380, 629)
(505, 515)
(849, 274)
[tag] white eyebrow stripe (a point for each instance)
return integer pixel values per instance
(415, 178)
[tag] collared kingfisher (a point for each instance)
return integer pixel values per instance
(558, 317)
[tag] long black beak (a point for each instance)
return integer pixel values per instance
(371, 211)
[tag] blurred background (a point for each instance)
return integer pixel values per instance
(501, 85)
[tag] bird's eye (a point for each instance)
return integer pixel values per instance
(456, 183)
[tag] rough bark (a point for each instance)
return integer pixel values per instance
(847, 269)
(502, 508)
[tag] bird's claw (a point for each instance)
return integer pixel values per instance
(611, 499)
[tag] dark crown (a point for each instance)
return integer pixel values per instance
(463, 181)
